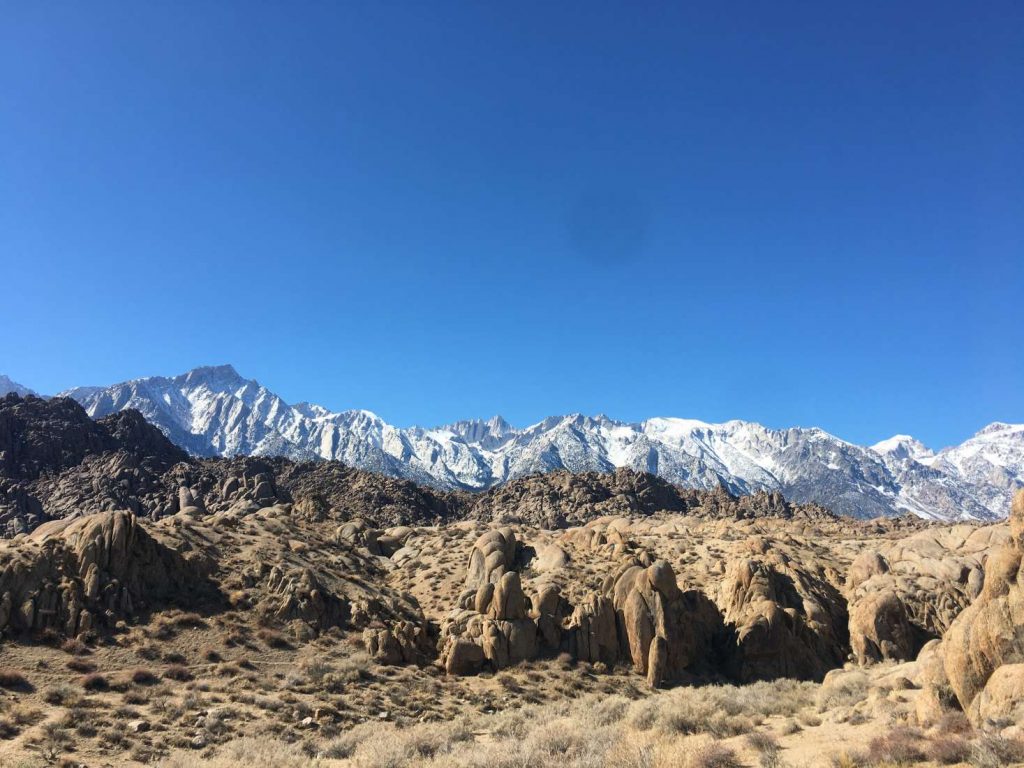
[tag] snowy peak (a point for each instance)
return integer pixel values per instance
(8, 385)
(489, 435)
(216, 378)
(214, 411)
(903, 447)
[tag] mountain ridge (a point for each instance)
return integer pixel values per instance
(214, 411)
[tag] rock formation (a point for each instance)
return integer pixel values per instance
(71, 576)
(984, 646)
(787, 618)
(910, 590)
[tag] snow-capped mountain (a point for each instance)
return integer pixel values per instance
(7, 386)
(213, 411)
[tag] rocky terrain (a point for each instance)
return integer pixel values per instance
(157, 608)
(213, 411)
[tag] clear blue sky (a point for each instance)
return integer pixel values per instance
(797, 213)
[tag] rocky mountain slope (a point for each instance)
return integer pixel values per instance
(7, 386)
(213, 411)
(55, 461)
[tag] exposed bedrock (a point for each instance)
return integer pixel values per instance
(73, 575)
(984, 647)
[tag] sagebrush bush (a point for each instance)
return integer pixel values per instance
(13, 680)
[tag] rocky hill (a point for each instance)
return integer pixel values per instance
(165, 607)
(213, 411)
(56, 461)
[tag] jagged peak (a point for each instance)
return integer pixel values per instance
(997, 427)
(8, 385)
(213, 373)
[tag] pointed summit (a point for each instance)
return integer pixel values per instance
(8, 385)
(903, 447)
(216, 377)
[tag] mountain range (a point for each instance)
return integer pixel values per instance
(213, 411)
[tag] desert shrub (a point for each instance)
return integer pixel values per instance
(994, 752)
(135, 697)
(702, 752)
(274, 639)
(606, 711)
(767, 748)
(954, 722)
(142, 676)
(74, 646)
(189, 621)
(178, 672)
(83, 666)
(149, 651)
(900, 746)
(849, 760)
(848, 689)
(252, 752)
(95, 682)
(13, 680)
(948, 749)
(61, 695)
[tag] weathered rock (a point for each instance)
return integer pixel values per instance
(788, 619)
(879, 628)
(549, 611)
(990, 632)
(1001, 701)
(358, 533)
(649, 604)
(933, 573)
(494, 553)
(593, 632)
(67, 572)
(404, 642)
(657, 662)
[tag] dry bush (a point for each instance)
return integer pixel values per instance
(849, 760)
(995, 752)
(767, 748)
(954, 722)
(82, 666)
(177, 672)
(387, 746)
(74, 646)
(710, 753)
(719, 710)
(16, 718)
(849, 689)
(13, 680)
(189, 621)
(141, 676)
(948, 749)
(250, 752)
(274, 639)
(95, 682)
(61, 695)
(899, 746)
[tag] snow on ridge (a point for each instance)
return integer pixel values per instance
(215, 411)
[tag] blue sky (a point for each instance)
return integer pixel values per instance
(796, 213)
